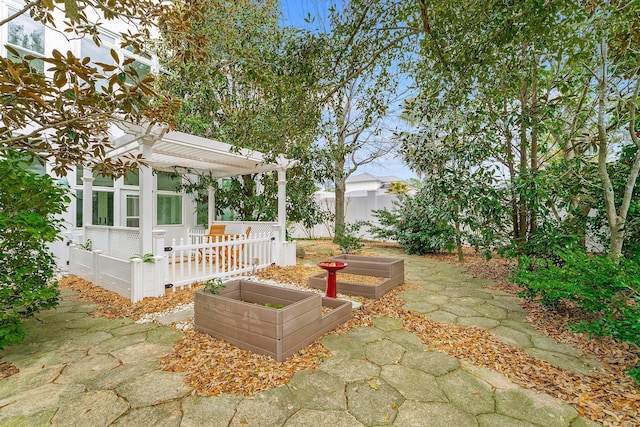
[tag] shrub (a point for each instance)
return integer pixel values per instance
(409, 224)
(346, 237)
(607, 291)
(29, 205)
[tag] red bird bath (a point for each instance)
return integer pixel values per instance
(331, 267)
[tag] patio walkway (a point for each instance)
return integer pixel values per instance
(84, 371)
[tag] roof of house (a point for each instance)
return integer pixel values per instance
(365, 177)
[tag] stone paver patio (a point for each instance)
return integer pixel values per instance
(76, 370)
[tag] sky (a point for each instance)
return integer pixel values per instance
(294, 13)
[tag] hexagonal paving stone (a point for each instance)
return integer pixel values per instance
(343, 347)
(512, 337)
(307, 417)
(36, 400)
(163, 415)
(87, 368)
(93, 408)
(386, 324)
(421, 306)
(467, 392)
(318, 390)
(537, 408)
(433, 414)
(214, 411)
(373, 402)
(406, 339)
(365, 335)
(491, 311)
(431, 362)
(350, 370)
(478, 322)
(413, 384)
(271, 408)
(442, 316)
(153, 388)
(384, 352)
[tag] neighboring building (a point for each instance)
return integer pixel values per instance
(364, 194)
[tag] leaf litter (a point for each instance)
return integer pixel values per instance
(215, 367)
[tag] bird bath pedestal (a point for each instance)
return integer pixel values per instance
(331, 267)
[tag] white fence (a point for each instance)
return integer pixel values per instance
(132, 279)
(118, 242)
(187, 262)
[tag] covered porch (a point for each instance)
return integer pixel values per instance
(140, 259)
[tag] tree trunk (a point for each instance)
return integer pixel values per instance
(615, 222)
(533, 112)
(459, 237)
(340, 183)
(512, 172)
(522, 201)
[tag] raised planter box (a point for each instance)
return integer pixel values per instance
(239, 316)
(390, 268)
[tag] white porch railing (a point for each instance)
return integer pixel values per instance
(187, 263)
(235, 227)
(117, 242)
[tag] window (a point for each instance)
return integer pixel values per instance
(132, 177)
(168, 181)
(102, 181)
(169, 204)
(79, 208)
(102, 208)
(169, 209)
(98, 180)
(98, 54)
(27, 37)
(133, 211)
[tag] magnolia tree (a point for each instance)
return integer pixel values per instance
(60, 106)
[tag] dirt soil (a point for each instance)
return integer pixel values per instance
(213, 366)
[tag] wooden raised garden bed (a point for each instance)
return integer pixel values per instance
(392, 269)
(239, 315)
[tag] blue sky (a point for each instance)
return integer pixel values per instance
(294, 13)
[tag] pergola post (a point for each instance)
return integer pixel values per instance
(211, 213)
(87, 196)
(146, 203)
(282, 204)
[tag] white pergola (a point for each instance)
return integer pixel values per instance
(165, 150)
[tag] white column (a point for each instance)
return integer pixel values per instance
(87, 197)
(282, 204)
(146, 203)
(211, 213)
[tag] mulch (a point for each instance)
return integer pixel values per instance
(214, 367)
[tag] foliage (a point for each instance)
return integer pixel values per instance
(619, 171)
(86, 246)
(244, 80)
(29, 205)
(346, 237)
(148, 258)
(608, 291)
(358, 86)
(214, 285)
(412, 226)
(65, 114)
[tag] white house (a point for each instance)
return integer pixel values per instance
(141, 215)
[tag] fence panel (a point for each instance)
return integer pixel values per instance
(188, 263)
